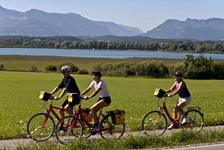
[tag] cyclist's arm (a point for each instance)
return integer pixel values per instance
(85, 91)
(172, 88)
(54, 90)
(94, 93)
(64, 91)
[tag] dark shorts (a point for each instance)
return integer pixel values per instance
(105, 99)
(71, 104)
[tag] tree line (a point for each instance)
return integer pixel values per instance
(76, 43)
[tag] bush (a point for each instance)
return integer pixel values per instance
(218, 70)
(1, 67)
(179, 67)
(34, 68)
(51, 68)
(198, 68)
(125, 69)
(83, 71)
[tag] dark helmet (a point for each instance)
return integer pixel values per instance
(178, 74)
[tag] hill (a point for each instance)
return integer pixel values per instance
(203, 30)
(39, 23)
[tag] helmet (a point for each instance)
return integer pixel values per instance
(66, 68)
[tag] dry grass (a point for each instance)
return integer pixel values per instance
(24, 63)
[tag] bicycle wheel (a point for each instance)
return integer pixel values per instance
(68, 129)
(196, 121)
(154, 123)
(40, 127)
(109, 130)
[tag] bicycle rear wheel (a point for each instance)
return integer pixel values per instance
(110, 130)
(69, 129)
(196, 122)
(40, 127)
(154, 123)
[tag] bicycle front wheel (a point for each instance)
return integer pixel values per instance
(110, 130)
(154, 123)
(40, 127)
(69, 129)
(196, 121)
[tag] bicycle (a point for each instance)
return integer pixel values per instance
(74, 125)
(41, 126)
(155, 122)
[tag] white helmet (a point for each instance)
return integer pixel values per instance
(66, 68)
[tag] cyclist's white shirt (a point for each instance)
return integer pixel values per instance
(102, 85)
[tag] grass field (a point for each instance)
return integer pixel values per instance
(20, 90)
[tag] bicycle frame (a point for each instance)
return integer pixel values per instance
(80, 114)
(51, 110)
(163, 107)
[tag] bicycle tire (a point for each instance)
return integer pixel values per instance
(154, 123)
(196, 119)
(70, 130)
(109, 130)
(37, 131)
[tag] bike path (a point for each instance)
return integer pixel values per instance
(14, 143)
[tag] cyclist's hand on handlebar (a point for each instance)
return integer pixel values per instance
(85, 97)
(169, 95)
(56, 98)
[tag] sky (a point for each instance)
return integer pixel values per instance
(142, 14)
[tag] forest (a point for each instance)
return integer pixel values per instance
(67, 42)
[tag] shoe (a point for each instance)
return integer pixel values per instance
(170, 127)
(184, 120)
(94, 128)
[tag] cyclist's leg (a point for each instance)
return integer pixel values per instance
(61, 110)
(95, 108)
(178, 108)
(181, 104)
(68, 109)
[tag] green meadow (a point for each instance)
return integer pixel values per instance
(19, 92)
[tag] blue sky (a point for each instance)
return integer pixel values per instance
(143, 14)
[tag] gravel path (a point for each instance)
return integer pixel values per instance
(12, 144)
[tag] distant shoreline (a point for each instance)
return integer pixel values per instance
(86, 53)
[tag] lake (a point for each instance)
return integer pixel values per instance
(100, 53)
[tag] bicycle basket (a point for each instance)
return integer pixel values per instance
(86, 114)
(44, 95)
(159, 93)
(117, 116)
(74, 97)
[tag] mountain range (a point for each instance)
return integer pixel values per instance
(203, 30)
(39, 23)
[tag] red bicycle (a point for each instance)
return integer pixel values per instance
(111, 125)
(41, 126)
(155, 122)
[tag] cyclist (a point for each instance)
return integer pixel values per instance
(104, 97)
(179, 87)
(68, 84)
